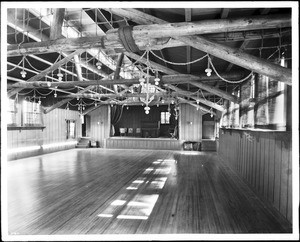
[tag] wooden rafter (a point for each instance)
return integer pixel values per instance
(183, 100)
(64, 101)
(142, 33)
(45, 72)
(229, 54)
(188, 18)
(166, 79)
(57, 23)
(199, 99)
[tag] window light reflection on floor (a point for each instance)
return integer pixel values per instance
(132, 217)
(105, 215)
(118, 202)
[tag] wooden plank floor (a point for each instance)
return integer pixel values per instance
(96, 191)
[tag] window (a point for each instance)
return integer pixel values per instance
(70, 129)
(31, 114)
(12, 113)
(165, 117)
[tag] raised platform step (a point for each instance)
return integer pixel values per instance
(84, 142)
(143, 143)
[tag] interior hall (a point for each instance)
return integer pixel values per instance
(149, 121)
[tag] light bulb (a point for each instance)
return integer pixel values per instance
(83, 107)
(208, 71)
(48, 84)
(162, 101)
(127, 107)
(23, 73)
(55, 94)
(99, 65)
(211, 115)
(156, 80)
(197, 101)
(142, 80)
(95, 104)
(39, 102)
(157, 105)
(60, 76)
(147, 111)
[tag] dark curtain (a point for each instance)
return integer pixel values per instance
(115, 115)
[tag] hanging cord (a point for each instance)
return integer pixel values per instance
(174, 63)
(225, 80)
(25, 93)
(43, 93)
(17, 66)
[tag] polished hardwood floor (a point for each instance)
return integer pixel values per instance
(98, 191)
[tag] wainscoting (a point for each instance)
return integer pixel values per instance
(264, 161)
(143, 143)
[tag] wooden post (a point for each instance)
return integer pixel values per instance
(57, 23)
(118, 69)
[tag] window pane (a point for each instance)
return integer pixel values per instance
(31, 113)
(168, 117)
(162, 117)
(12, 112)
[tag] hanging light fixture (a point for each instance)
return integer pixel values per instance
(99, 65)
(197, 100)
(23, 72)
(156, 79)
(59, 75)
(55, 94)
(147, 109)
(142, 81)
(208, 70)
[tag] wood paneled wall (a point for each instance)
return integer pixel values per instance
(264, 161)
(134, 115)
(54, 132)
(100, 124)
(190, 123)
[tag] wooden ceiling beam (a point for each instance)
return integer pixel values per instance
(188, 18)
(64, 101)
(245, 42)
(199, 99)
(118, 69)
(166, 79)
(224, 12)
(183, 100)
(39, 36)
(143, 33)
(57, 23)
(46, 71)
(224, 52)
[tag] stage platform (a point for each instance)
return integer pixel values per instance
(143, 143)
